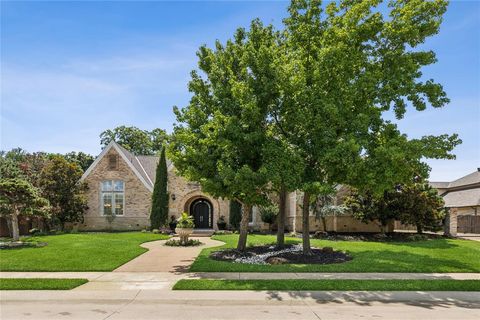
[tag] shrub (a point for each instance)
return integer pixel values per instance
(179, 243)
(268, 214)
(185, 221)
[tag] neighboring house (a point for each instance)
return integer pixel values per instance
(462, 196)
(120, 189)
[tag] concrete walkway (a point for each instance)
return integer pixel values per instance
(469, 236)
(161, 276)
(161, 258)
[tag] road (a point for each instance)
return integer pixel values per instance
(165, 304)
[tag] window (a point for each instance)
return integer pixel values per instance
(113, 197)
(112, 162)
(250, 216)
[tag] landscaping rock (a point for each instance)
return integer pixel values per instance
(276, 260)
(264, 255)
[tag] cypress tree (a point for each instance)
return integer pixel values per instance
(159, 213)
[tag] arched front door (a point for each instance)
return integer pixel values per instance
(202, 212)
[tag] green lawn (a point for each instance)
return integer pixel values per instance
(439, 255)
(40, 284)
(78, 252)
(330, 285)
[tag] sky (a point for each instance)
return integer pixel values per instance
(70, 70)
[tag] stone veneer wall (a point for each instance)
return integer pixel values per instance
(185, 192)
(339, 224)
(137, 198)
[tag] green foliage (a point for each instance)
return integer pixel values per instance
(18, 196)
(159, 211)
(344, 66)
(59, 181)
(180, 243)
(268, 213)
(368, 207)
(304, 107)
(138, 141)
(235, 214)
(419, 204)
(185, 221)
(84, 160)
(17, 163)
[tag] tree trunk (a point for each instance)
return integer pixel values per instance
(242, 239)
(324, 222)
(281, 218)
(15, 230)
(306, 224)
(419, 229)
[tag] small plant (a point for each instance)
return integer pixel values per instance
(155, 231)
(268, 214)
(185, 221)
(185, 227)
(180, 243)
(221, 223)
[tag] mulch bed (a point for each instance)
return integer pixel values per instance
(377, 237)
(292, 254)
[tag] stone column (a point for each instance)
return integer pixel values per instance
(450, 227)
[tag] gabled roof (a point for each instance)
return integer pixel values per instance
(132, 161)
(469, 179)
(463, 192)
(462, 198)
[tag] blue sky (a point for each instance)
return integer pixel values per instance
(69, 70)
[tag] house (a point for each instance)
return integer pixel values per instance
(120, 190)
(462, 196)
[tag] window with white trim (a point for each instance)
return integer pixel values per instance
(113, 197)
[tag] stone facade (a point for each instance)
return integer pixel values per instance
(138, 175)
(182, 193)
(450, 227)
(137, 197)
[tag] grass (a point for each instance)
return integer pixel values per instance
(330, 285)
(40, 284)
(77, 252)
(439, 255)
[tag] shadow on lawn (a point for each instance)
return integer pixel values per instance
(419, 299)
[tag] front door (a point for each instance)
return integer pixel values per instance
(201, 212)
